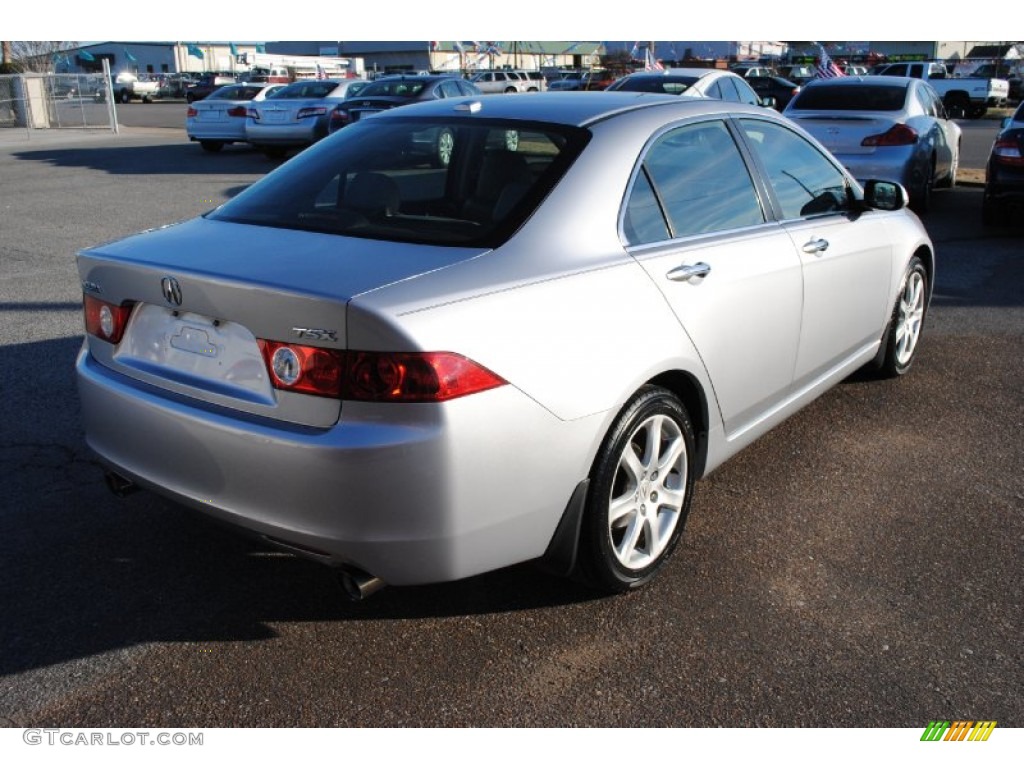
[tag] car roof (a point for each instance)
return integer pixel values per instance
(576, 108)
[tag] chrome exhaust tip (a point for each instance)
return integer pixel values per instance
(356, 584)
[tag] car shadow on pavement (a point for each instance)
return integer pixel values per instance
(86, 572)
(151, 159)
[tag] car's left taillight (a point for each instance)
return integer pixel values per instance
(192, 112)
(104, 320)
(238, 112)
(339, 119)
(900, 135)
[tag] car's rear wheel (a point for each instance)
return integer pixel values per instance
(212, 146)
(921, 201)
(640, 491)
(907, 321)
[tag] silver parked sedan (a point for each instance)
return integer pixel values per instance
(892, 128)
(417, 372)
(219, 119)
(297, 115)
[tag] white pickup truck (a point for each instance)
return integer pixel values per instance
(962, 96)
(127, 86)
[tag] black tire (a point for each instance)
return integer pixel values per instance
(957, 105)
(274, 153)
(124, 97)
(974, 113)
(212, 146)
(921, 201)
(907, 322)
(640, 491)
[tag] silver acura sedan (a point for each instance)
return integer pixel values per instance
(417, 373)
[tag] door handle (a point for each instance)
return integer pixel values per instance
(687, 271)
(816, 246)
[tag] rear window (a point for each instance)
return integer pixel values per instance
(674, 85)
(404, 88)
(852, 98)
(313, 89)
(459, 182)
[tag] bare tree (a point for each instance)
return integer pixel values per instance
(34, 55)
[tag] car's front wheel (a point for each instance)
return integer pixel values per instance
(639, 494)
(907, 321)
(212, 146)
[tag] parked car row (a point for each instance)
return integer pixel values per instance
(1003, 202)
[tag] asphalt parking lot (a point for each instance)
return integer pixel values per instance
(857, 567)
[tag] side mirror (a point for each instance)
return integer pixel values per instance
(885, 195)
(768, 101)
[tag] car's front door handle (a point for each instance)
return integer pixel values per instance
(816, 246)
(687, 271)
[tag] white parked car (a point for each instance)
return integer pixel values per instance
(219, 119)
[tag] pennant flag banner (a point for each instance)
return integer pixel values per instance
(86, 56)
(234, 50)
(128, 55)
(195, 50)
(261, 48)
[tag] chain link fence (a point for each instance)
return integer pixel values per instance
(31, 101)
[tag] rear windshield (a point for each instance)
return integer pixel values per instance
(462, 181)
(856, 98)
(313, 89)
(674, 85)
(405, 88)
(236, 92)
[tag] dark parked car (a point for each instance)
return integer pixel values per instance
(206, 85)
(390, 92)
(1004, 174)
(778, 88)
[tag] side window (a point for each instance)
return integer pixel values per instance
(714, 91)
(728, 87)
(693, 181)
(805, 182)
(449, 89)
(747, 94)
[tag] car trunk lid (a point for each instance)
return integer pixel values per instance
(844, 134)
(201, 305)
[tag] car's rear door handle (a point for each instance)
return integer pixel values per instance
(816, 246)
(687, 271)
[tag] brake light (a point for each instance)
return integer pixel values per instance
(310, 112)
(414, 377)
(192, 112)
(339, 119)
(1007, 152)
(900, 135)
(104, 320)
(238, 112)
(395, 377)
(298, 368)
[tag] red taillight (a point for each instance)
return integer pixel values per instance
(899, 135)
(310, 112)
(238, 112)
(1007, 152)
(395, 377)
(192, 112)
(339, 119)
(298, 368)
(104, 320)
(420, 377)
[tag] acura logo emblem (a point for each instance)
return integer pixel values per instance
(172, 291)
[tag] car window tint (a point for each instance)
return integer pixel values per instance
(747, 94)
(644, 221)
(854, 98)
(804, 181)
(728, 88)
(714, 91)
(701, 182)
(450, 89)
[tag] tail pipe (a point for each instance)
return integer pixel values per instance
(120, 486)
(357, 584)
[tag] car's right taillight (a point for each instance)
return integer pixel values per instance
(414, 377)
(339, 119)
(1006, 151)
(238, 112)
(899, 135)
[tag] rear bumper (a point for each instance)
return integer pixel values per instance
(435, 497)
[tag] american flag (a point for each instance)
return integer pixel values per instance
(826, 67)
(651, 64)
(320, 74)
